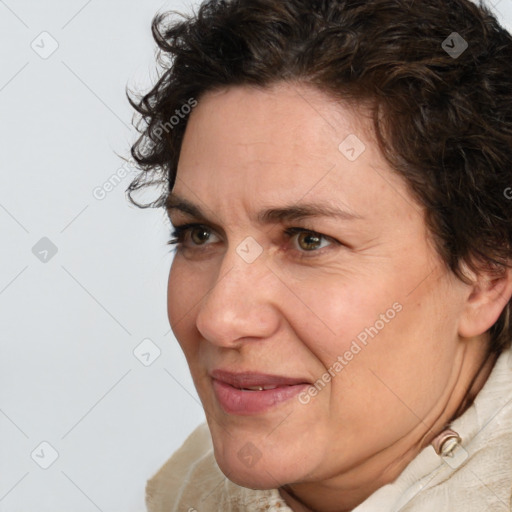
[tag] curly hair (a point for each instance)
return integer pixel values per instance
(443, 118)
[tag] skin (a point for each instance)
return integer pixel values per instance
(246, 150)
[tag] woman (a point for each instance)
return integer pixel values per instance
(336, 174)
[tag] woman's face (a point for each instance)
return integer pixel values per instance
(351, 314)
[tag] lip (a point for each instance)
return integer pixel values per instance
(233, 400)
(251, 379)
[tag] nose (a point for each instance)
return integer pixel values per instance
(240, 305)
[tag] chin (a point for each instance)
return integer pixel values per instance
(258, 477)
(250, 468)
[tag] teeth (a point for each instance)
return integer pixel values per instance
(258, 388)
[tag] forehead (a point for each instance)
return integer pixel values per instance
(282, 117)
(284, 144)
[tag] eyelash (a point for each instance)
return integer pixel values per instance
(180, 232)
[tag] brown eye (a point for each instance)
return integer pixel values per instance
(309, 241)
(199, 235)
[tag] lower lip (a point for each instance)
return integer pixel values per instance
(237, 401)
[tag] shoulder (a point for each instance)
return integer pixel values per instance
(479, 475)
(192, 481)
(191, 461)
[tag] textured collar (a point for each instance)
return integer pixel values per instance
(191, 480)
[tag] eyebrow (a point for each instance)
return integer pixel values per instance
(275, 215)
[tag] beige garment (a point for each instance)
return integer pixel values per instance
(477, 478)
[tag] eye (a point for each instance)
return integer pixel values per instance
(307, 240)
(308, 243)
(198, 234)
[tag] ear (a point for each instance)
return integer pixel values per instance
(487, 298)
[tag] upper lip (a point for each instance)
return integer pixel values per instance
(253, 379)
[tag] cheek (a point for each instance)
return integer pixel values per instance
(175, 309)
(335, 311)
(184, 293)
(401, 371)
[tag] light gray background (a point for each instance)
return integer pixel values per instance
(70, 324)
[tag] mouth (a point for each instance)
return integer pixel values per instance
(253, 393)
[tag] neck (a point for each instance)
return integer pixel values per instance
(345, 492)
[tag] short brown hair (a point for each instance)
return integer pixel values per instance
(443, 118)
